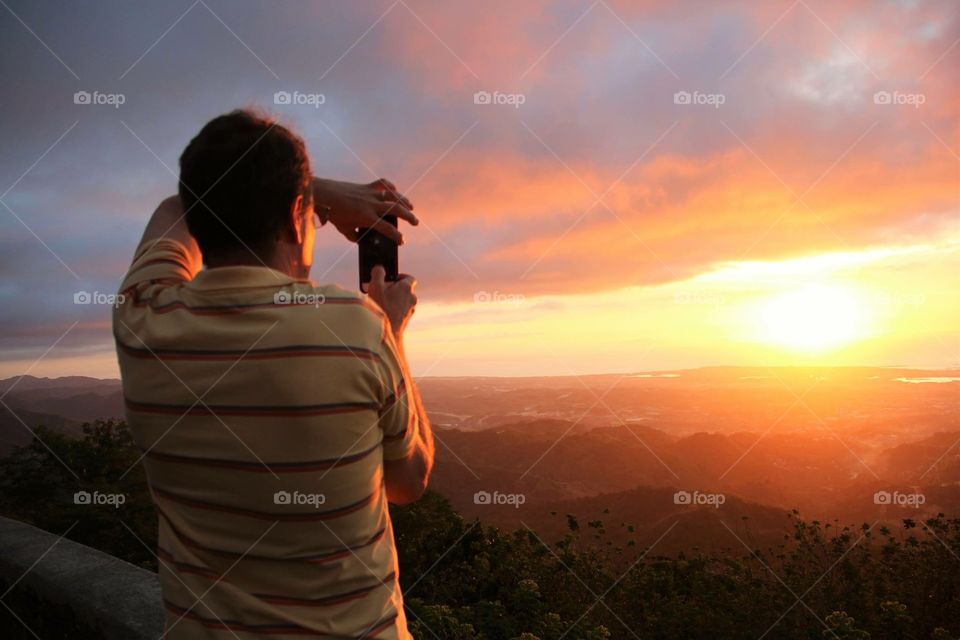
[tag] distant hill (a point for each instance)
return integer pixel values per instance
(65, 402)
(16, 428)
(26, 383)
(707, 400)
(74, 398)
(644, 514)
(933, 459)
(816, 472)
(61, 404)
(822, 440)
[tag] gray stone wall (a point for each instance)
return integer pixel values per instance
(102, 593)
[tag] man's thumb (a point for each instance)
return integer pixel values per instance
(378, 278)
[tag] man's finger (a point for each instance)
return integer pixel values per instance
(399, 210)
(385, 228)
(396, 196)
(407, 278)
(377, 280)
(383, 183)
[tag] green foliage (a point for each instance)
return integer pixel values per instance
(463, 580)
(853, 585)
(843, 627)
(38, 483)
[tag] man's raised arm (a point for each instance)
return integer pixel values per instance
(408, 438)
(168, 222)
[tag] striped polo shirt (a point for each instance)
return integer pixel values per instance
(264, 407)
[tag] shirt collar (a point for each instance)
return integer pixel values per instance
(239, 277)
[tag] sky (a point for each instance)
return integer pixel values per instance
(603, 186)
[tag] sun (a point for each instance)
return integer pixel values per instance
(814, 318)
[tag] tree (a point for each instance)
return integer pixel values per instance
(47, 482)
(463, 580)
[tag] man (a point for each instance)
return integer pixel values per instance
(276, 416)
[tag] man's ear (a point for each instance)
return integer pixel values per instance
(297, 221)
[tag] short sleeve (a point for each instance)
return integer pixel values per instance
(399, 418)
(163, 259)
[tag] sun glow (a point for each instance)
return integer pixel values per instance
(814, 318)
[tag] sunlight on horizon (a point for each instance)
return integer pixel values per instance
(882, 306)
(812, 319)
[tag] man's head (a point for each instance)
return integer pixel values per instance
(245, 186)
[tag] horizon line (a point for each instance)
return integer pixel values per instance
(626, 374)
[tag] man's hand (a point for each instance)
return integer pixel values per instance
(352, 206)
(397, 299)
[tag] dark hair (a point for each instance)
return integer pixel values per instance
(238, 179)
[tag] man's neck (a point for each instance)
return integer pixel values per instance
(250, 259)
